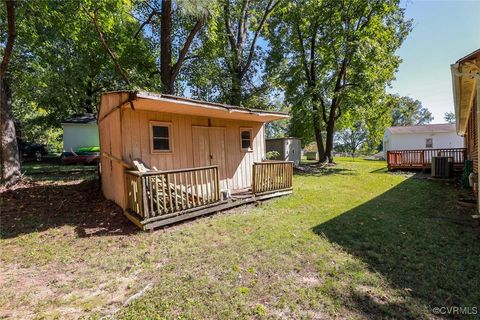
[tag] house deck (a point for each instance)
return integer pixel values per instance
(159, 198)
(421, 159)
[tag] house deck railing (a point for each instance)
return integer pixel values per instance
(422, 158)
(271, 176)
(155, 194)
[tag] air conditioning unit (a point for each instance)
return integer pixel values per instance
(442, 167)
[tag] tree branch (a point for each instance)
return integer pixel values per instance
(268, 10)
(303, 55)
(230, 37)
(12, 33)
(150, 16)
(107, 48)
(186, 46)
(339, 113)
(313, 41)
(324, 112)
(242, 26)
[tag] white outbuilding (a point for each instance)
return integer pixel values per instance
(80, 131)
(289, 149)
(430, 136)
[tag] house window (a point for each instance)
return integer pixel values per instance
(160, 137)
(246, 139)
(429, 143)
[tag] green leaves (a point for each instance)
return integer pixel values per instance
(335, 56)
(408, 112)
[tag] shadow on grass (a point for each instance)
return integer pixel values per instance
(36, 207)
(316, 169)
(380, 170)
(409, 235)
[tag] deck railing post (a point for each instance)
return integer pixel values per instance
(145, 211)
(254, 174)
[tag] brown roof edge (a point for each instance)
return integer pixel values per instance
(150, 95)
(436, 127)
(469, 56)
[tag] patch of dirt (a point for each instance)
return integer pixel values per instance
(49, 265)
(36, 206)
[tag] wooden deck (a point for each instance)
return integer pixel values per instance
(158, 198)
(422, 159)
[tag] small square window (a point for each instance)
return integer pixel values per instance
(160, 137)
(246, 139)
(429, 143)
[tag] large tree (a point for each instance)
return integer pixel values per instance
(10, 161)
(229, 65)
(449, 117)
(244, 24)
(351, 138)
(332, 52)
(60, 66)
(407, 111)
(173, 28)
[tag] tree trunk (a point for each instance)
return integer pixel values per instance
(88, 107)
(320, 146)
(329, 139)
(166, 48)
(11, 173)
(317, 129)
(235, 98)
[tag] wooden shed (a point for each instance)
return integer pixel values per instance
(166, 158)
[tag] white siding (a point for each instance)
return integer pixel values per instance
(79, 135)
(414, 141)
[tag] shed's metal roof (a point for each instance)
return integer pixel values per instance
(82, 118)
(428, 128)
(159, 102)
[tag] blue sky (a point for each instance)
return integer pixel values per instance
(443, 32)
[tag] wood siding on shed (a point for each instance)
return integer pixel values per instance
(238, 164)
(132, 141)
(110, 134)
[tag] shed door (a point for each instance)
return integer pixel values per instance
(209, 149)
(201, 146)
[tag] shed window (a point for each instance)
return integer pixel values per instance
(429, 143)
(246, 139)
(160, 137)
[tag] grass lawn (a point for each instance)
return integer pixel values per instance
(54, 171)
(352, 242)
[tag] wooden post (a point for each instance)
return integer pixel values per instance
(169, 192)
(254, 173)
(144, 209)
(217, 183)
(157, 195)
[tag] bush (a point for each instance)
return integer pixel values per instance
(272, 155)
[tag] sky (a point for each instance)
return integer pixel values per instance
(443, 32)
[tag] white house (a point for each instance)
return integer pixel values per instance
(80, 131)
(430, 136)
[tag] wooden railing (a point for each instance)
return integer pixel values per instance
(404, 159)
(166, 193)
(270, 176)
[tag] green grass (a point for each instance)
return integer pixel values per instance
(351, 242)
(53, 171)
